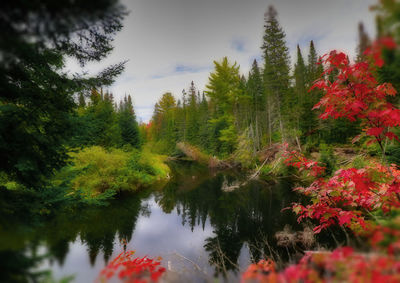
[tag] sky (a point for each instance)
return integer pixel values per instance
(169, 43)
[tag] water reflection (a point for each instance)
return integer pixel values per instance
(189, 221)
(251, 215)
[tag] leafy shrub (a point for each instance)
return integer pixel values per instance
(327, 158)
(359, 162)
(245, 152)
(98, 174)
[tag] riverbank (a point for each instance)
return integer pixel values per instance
(93, 176)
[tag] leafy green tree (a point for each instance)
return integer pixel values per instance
(36, 95)
(164, 120)
(223, 91)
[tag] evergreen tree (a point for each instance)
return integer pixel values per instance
(204, 123)
(314, 70)
(223, 91)
(257, 110)
(192, 115)
(309, 121)
(300, 77)
(164, 120)
(276, 70)
(129, 127)
(36, 95)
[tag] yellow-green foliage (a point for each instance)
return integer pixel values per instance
(9, 184)
(245, 152)
(193, 153)
(99, 170)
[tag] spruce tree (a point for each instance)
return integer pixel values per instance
(276, 70)
(309, 118)
(256, 91)
(300, 88)
(129, 127)
(192, 115)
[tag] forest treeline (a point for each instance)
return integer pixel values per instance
(99, 120)
(241, 114)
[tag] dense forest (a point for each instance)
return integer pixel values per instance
(238, 115)
(317, 139)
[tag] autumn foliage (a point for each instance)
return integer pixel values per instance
(341, 265)
(355, 93)
(352, 198)
(129, 269)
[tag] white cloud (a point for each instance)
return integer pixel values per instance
(169, 43)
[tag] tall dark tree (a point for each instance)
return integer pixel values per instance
(256, 91)
(300, 79)
(36, 96)
(276, 69)
(309, 121)
(128, 125)
(192, 115)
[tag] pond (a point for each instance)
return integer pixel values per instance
(199, 230)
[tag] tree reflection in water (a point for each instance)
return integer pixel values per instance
(234, 223)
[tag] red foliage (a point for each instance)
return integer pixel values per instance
(298, 160)
(352, 195)
(259, 271)
(348, 195)
(132, 270)
(341, 265)
(356, 94)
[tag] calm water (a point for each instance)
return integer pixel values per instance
(199, 230)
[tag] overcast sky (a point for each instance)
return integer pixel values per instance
(169, 43)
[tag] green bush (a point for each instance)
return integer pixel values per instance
(327, 158)
(359, 162)
(98, 173)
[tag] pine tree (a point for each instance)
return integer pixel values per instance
(276, 70)
(257, 110)
(204, 123)
(129, 127)
(309, 122)
(300, 88)
(192, 115)
(164, 120)
(314, 70)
